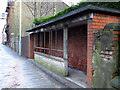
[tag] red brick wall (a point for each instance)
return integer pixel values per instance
(77, 47)
(98, 22)
(31, 47)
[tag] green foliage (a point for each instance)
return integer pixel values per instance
(115, 5)
(40, 20)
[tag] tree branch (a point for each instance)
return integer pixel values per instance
(29, 9)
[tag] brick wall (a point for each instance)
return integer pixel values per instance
(98, 22)
(31, 46)
(9, 21)
(77, 47)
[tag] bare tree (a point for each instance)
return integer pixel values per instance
(39, 9)
(32, 7)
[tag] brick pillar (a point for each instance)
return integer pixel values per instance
(31, 46)
(89, 52)
(98, 22)
(116, 47)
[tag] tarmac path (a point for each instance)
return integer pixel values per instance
(18, 72)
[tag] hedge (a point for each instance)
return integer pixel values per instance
(115, 5)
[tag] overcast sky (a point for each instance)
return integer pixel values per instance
(70, 2)
(3, 5)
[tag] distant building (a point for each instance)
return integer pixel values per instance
(29, 12)
(4, 35)
(8, 28)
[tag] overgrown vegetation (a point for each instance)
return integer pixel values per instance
(115, 5)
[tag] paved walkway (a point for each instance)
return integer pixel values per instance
(18, 72)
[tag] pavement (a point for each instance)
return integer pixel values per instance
(66, 81)
(19, 72)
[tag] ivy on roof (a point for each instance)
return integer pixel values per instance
(115, 5)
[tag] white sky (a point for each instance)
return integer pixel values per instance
(3, 5)
(70, 2)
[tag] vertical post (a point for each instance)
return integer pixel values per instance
(49, 43)
(20, 26)
(31, 46)
(44, 42)
(65, 47)
(40, 41)
(34, 42)
(56, 40)
(37, 40)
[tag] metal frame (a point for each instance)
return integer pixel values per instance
(50, 49)
(44, 42)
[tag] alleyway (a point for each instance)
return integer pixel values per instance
(17, 72)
